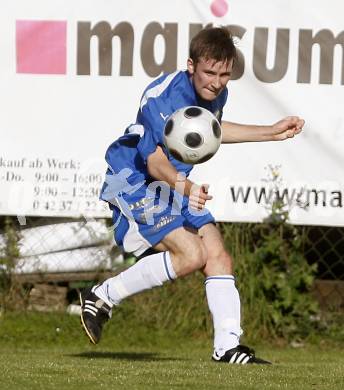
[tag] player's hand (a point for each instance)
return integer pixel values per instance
(198, 196)
(287, 128)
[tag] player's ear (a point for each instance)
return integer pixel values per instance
(190, 66)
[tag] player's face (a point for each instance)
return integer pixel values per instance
(209, 77)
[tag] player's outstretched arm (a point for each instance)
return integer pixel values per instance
(281, 130)
(161, 169)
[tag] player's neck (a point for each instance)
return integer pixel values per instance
(202, 102)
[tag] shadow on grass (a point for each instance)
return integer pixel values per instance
(141, 356)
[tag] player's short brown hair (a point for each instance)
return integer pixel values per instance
(213, 43)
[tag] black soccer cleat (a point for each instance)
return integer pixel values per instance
(94, 313)
(239, 355)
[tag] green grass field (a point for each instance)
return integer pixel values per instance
(49, 351)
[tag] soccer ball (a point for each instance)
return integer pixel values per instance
(192, 135)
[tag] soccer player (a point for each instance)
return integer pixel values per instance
(174, 238)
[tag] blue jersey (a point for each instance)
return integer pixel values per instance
(142, 214)
(160, 99)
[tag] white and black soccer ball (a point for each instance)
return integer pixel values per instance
(192, 135)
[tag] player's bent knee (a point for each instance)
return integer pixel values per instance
(191, 260)
(194, 264)
(196, 259)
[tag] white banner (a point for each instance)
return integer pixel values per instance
(68, 90)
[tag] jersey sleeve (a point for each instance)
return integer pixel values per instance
(152, 116)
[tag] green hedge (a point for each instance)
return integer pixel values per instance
(273, 277)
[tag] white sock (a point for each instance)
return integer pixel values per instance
(224, 305)
(149, 272)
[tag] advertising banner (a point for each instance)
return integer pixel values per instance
(72, 74)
